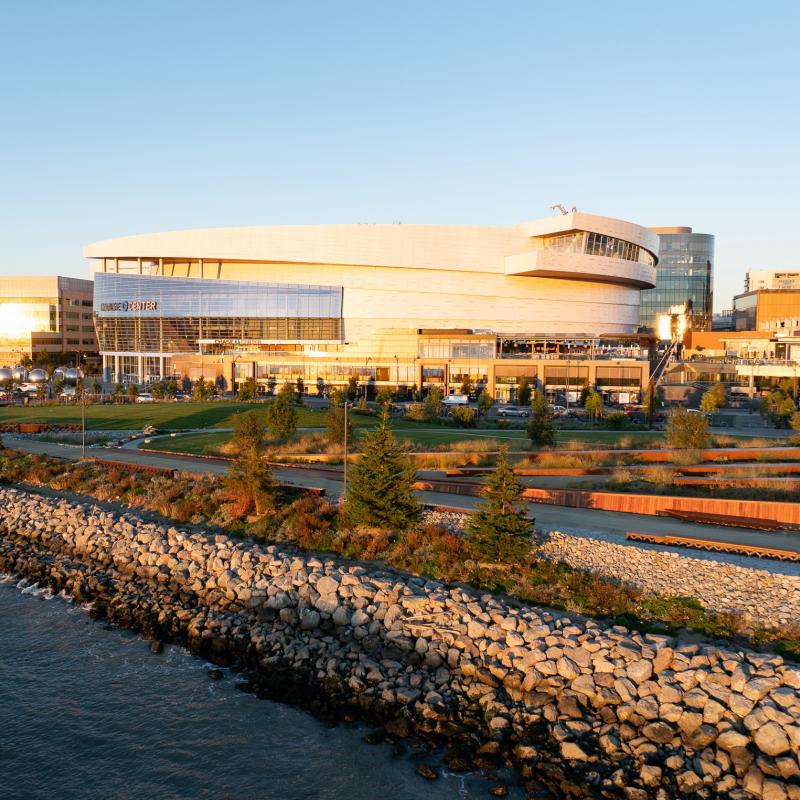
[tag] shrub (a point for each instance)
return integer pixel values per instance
(433, 403)
(464, 417)
(248, 390)
(687, 430)
(616, 420)
(416, 412)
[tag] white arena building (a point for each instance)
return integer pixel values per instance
(555, 301)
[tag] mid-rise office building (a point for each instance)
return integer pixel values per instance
(684, 280)
(767, 310)
(756, 279)
(554, 301)
(45, 314)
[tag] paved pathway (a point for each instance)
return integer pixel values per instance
(548, 517)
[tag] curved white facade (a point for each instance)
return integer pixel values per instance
(569, 274)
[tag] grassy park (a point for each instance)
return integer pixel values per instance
(167, 416)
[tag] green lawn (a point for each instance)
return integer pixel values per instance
(206, 444)
(422, 435)
(168, 416)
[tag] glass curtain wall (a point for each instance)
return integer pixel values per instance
(684, 277)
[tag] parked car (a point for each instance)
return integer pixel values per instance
(144, 397)
(455, 400)
(559, 410)
(513, 411)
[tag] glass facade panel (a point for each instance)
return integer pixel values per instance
(19, 318)
(684, 277)
(141, 313)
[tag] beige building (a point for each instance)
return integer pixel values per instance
(771, 279)
(555, 301)
(45, 314)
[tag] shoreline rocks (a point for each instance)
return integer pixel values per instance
(587, 710)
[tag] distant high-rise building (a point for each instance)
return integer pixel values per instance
(771, 279)
(684, 278)
(45, 315)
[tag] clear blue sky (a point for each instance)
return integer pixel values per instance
(121, 118)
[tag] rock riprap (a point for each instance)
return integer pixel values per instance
(591, 711)
(762, 596)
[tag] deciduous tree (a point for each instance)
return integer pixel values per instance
(687, 430)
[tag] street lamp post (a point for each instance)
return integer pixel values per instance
(366, 377)
(397, 375)
(344, 490)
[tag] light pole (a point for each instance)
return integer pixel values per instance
(397, 376)
(344, 490)
(82, 380)
(366, 377)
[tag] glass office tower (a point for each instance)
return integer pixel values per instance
(684, 277)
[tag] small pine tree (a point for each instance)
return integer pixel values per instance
(335, 424)
(249, 434)
(249, 480)
(541, 425)
(537, 399)
(467, 386)
(281, 415)
(132, 390)
(499, 530)
(381, 490)
(385, 396)
(352, 388)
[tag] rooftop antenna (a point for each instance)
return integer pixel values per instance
(560, 207)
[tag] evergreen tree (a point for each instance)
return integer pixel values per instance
(385, 396)
(499, 530)
(467, 386)
(249, 480)
(335, 420)
(541, 425)
(281, 414)
(381, 490)
(352, 388)
(249, 434)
